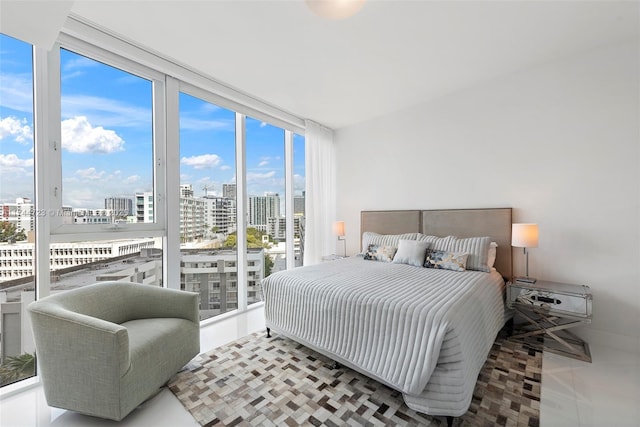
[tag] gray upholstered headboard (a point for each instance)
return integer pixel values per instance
(493, 222)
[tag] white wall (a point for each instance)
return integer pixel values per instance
(559, 143)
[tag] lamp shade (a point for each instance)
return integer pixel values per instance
(524, 235)
(338, 228)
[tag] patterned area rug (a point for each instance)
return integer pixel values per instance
(277, 382)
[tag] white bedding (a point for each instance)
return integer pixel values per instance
(424, 332)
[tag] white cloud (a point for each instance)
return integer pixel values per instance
(12, 163)
(133, 179)
(225, 167)
(79, 136)
(108, 112)
(204, 161)
(256, 176)
(16, 128)
(263, 124)
(16, 91)
(80, 62)
(90, 173)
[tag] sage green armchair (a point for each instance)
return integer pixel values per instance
(105, 348)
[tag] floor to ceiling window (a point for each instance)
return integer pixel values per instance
(208, 224)
(101, 176)
(17, 219)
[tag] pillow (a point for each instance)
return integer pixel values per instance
(411, 252)
(491, 256)
(476, 247)
(438, 243)
(371, 238)
(380, 253)
(445, 260)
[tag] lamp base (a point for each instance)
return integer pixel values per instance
(525, 279)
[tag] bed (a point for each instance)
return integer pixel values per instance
(425, 332)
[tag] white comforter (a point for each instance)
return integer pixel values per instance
(405, 326)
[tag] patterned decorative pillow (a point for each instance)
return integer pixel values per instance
(380, 253)
(476, 247)
(446, 260)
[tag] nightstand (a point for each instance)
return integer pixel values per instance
(550, 308)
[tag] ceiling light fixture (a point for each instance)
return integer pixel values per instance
(335, 9)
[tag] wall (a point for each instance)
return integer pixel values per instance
(559, 143)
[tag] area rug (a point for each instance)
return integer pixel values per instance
(259, 381)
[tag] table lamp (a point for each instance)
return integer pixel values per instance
(338, 228)
(525, 236)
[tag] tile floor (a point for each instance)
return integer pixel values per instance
(574, 393)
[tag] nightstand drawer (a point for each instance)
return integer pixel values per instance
(560, 298)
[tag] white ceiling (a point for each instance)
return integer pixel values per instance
(391, 55)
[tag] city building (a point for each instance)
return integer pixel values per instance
(219, 215)
(192, 219)
(229, 191)
(298, 204)
(276, 228)
(21, 214)
(144, 207)
(17, 259)
(93, 216)
(261, 208)
(122, 207)
(214, 275)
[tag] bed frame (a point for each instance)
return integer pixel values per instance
(492, 222)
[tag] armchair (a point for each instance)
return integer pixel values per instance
(105, 348)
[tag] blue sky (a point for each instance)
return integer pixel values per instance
(107, 135)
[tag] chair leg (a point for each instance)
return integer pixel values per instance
(268, 333)
(449, 421)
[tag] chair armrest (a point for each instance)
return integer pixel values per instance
(149, 301)
(73, 342)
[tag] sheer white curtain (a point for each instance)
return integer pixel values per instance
(320, 196)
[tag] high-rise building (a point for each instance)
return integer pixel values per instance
(120, 206)
(186, 190)
(218, 216)
(229, 191)
(144, 207)
(20, 214)
(192, 223)
(263, 207)
(276, 228)
(298, 204)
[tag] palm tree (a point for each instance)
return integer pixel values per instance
(16, 368)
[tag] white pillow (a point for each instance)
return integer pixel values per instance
(411, 252)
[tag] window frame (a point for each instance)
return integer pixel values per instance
(69, 232)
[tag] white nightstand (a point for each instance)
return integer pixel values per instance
(551, 308)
